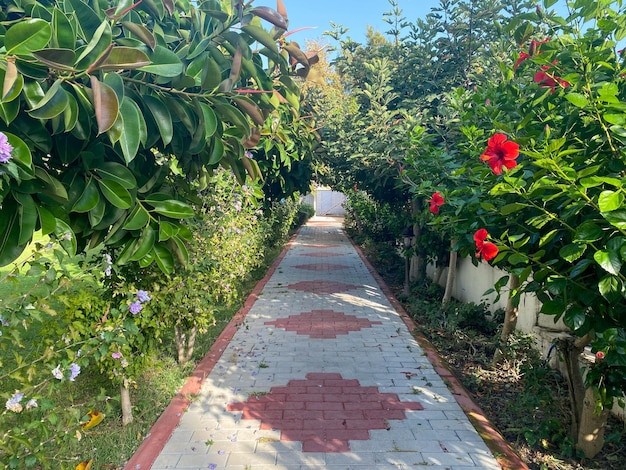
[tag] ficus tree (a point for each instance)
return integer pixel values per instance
(97, 95)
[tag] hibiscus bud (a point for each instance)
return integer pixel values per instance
(599, 356)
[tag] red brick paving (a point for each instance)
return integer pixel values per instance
(323, 324)
(325, 411)
(322, 287)
(322, 266)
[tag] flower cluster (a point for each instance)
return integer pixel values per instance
(59, 374)
(5, 149)
(136, 306)
(484, 249)
(436, 201)
(14, 403)
(500, 153)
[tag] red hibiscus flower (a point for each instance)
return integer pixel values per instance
(549, 80)
(532, 50)
(599, 356)
(436, 201)
(485, 250)
(500, 153)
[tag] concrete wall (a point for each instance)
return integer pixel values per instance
(326, 201)
(470, 286)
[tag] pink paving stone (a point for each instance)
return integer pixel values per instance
(321, 266)
(321, 254)
(322, 287)
(323, 324)
(326, 425)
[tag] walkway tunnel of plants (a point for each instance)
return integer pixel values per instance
(153, 156)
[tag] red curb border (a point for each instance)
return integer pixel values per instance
(502, 451)
(162, 429)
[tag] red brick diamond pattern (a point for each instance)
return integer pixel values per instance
(321, 254)
(321, 266)
(325, 411)
(324, 324)
(322, 287)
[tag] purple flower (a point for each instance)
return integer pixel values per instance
(32, 403)
(13, 403)
(135, 307)
(116, 355)
(5, 149)
(74, 371)
(143, 296)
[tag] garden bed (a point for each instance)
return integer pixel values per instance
(525, 400)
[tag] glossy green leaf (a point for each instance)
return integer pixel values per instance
(609, 285)
(180, 250)
(116, 172)
(66, 237)
(88, 20)
(54, 102)
(21, 153)
(610, 200)
(12, 82)
(610, 261)
(47, 221)
(133, 127)
(70, 115)
(63, 31)
(9, 111)
(161, 116)
(145, 244)
(89, 199)
(170, 207)
(10, 247)
(115, 193)
(577, 99)
(28, 217)
(53, 187)
(616, 218)
(137, 219)
(259, 34)
(575, 317)
(97, 213)
(217, 151)
(572, 252)
(167, 230)
(210, 120)
(27, 36)
(163, 258)
(165, 63)
(588, 231)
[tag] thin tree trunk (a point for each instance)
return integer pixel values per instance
(185, 342)
(127, 410)
(510, 317)
(418, 267)
(451, 273)
(191, 342)
(587, 428)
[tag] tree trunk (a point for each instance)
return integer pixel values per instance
(592, 425)
(451, 273)
(587, 428)
(185, 342)
(418, 266)
(510, 317)
(127, 410)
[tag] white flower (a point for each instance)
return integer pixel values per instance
(57, 373)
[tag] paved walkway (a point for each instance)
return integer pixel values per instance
(321, 373)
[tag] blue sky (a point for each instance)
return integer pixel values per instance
(353, 14)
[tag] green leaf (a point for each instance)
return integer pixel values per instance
(610, 200)
(138, 218)
(28, 217)
(609, 285)
(66, 237)
(580, 267)
(548, 237)
(27, 36)
(217, 151)
(588, 231)
(162, 117)
(125, 58)
(12, 82)
(117, 172)
(179, 248)
(133, 127)
(165, 63)
(616, 218)
(141, 32)
(88, 199)
(577, 99)
(610, 261)
(167, 230)
(52, 104)
(163, 258)
(513, 207)
(98, 44)
(170, 207)
(572, 252)
(59, 59)
(259, 34)
(553, 307)
(88, 20)
(145, 243)
(63, 31)
(10, 248)
(616, 119)
(47, 221)
(21, 153)
(210, 120)
(575, 317)
(115, 193)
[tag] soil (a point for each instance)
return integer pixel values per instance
(526, 401)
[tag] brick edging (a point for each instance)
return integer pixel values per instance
(502, 451)
(164, 426)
